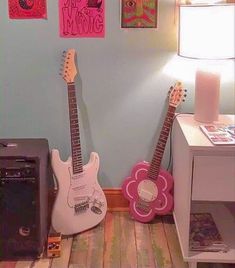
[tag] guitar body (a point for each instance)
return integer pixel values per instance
(80, 203)
(148, 197)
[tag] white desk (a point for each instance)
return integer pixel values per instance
(204, 181)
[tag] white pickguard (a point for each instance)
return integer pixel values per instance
(80, 203)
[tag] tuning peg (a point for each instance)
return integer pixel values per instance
(185, 95)
(185, 90)
(183, 100)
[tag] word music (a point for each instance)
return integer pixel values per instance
(82, 18)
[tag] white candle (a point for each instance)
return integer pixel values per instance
(207, 87)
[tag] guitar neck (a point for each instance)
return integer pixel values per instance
(74, 130)
(160, 147)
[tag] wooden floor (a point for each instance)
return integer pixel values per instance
(119, 242)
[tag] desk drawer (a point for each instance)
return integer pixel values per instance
(214, 178)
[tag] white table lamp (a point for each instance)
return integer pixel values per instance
(207, 32)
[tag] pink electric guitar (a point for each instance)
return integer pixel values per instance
(149, 187)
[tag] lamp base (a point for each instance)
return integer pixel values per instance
(207, 86)
(205, 119)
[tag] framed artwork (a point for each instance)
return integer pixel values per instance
(27, 9)
(139, 13)
(83, 18)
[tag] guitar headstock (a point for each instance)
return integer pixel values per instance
(69, 70)
(176, 94)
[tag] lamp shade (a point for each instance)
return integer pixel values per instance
(206, 31)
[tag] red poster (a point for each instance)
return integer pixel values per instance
(82, 18)
(27, 9)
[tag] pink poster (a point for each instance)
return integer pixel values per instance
(82, 18)
(27, 9)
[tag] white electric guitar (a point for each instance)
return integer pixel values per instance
(80, 203)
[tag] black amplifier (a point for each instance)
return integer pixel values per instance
(25, 174)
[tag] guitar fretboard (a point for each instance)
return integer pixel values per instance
(74, 130)
(160, 147)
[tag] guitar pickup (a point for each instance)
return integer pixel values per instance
(146, 195)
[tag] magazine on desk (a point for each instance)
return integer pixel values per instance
(219, 134)
(204, 235)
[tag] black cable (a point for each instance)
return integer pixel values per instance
(3, 144)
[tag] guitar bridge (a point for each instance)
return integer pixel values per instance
(144, 206)
(82, 207)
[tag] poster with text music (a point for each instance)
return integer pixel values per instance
(83, 18)
(139, 13)
(27, 9)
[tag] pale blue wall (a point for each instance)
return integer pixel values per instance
(122, 89)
